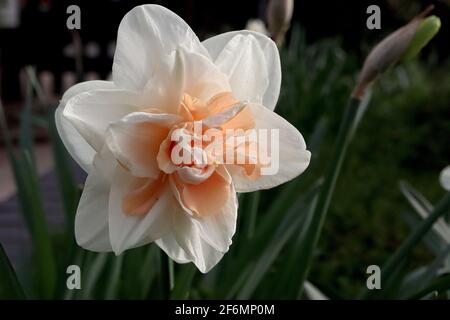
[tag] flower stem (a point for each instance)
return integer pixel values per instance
(352, 115)
(167, 275)
(253, 211)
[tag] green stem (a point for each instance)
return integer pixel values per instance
(171, 274)
(352, 115)
(167, 275)
(253, 211)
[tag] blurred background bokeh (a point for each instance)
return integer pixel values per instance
(404, 136)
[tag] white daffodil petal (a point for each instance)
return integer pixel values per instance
(92, 112)
(170, 246)
(91, 219)
(288, 153)
(147, 34)
(201, 77)
(242, 59)
(129, 231)
(445, 178)
(75, 144)
(196, 249)
(135, 141)
(237, 55)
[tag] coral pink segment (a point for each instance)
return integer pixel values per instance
(203, 186)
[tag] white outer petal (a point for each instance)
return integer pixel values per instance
(146, 35)
(272, 67)
(91, 219)
(196, 74)
(75, 144)
(184, 244)
(293, 156)
(170, 246)
(196, 249)
(91, 112)
(445, 178)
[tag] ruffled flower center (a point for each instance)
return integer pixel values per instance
(190, 156)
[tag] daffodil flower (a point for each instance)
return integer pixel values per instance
(445, 178)
(121, 132)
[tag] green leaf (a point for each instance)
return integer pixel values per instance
(351, 118)
(411, 241)
(423, 207)
(285, 230)
(417, 200)
(10, 287)
(289, 282)
(441, 284)
(313, 293)
(113, 281)
(183, 281)
(32, 207)
(92, 270)
(149, 270)
(432, 239)
(419, 279)
(26, 128)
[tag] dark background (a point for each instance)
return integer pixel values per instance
(42, 35)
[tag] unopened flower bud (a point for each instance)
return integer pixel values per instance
(445, 178)
(279, 15)
(256, 25)
(400, 45)
(426, 31)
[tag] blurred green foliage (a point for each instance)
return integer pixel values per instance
(403, 136)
